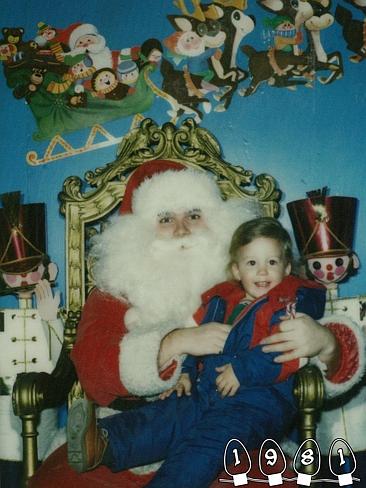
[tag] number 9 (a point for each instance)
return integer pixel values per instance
(271, 456)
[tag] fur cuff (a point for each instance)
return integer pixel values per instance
(334, 389)
(138, 359)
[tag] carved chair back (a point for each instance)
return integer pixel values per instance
(86, 205)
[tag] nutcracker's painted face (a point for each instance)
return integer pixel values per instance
(20, 280)
(329, 270)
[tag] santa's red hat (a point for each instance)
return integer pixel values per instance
(63, 35)
(162, 185)
(72, 33)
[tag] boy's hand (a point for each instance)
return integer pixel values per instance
(227, 383)
(182, 387)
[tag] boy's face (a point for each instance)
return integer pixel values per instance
(260, 266)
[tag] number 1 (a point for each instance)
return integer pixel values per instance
(237, 460)
(340, 452)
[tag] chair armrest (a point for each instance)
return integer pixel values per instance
(309, 392)
(36, 391)
(33, 392)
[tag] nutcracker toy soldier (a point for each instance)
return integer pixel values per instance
(30, 338)
(324, 229)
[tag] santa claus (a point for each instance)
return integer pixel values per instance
(156, 259)
(85, 38)
(154, 264)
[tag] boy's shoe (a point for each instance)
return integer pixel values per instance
(86, 443)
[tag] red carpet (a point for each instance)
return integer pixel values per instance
(56, 472)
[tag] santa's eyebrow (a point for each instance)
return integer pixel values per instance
(195, 210)
(165, 213)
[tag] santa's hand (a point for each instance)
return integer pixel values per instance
(197, 341)
(206, 339)
(300, 337)
(47, 303)
(182, 387)
(226, 382)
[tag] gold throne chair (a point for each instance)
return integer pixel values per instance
(86, 205)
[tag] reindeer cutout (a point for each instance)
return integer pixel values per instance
(235, 25)
(216, 30)
(291, 68)
(354, 31)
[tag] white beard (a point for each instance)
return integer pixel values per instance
(163, 279)
(100, 54)
(97, 47)
(173, 276)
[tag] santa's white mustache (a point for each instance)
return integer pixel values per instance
(185, 243)
(98, 44)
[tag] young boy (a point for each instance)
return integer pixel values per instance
(242, 393)
(260, 259)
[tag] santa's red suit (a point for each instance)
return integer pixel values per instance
(123, 323)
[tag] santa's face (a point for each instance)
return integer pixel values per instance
(173, 225)
(87, 40)
(329, 270)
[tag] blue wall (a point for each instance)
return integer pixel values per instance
(306, 139)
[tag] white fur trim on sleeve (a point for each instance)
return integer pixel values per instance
(334, 389)
(138, 364)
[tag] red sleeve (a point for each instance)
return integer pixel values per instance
(96, 351)
(349, 358)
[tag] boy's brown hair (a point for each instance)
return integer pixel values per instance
(260, 227)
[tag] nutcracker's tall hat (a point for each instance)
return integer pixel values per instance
(22, 236)
(323, 226)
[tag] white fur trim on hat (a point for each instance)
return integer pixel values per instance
(138, 364)
(173, 191)
(79, 31)
(334, 389)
